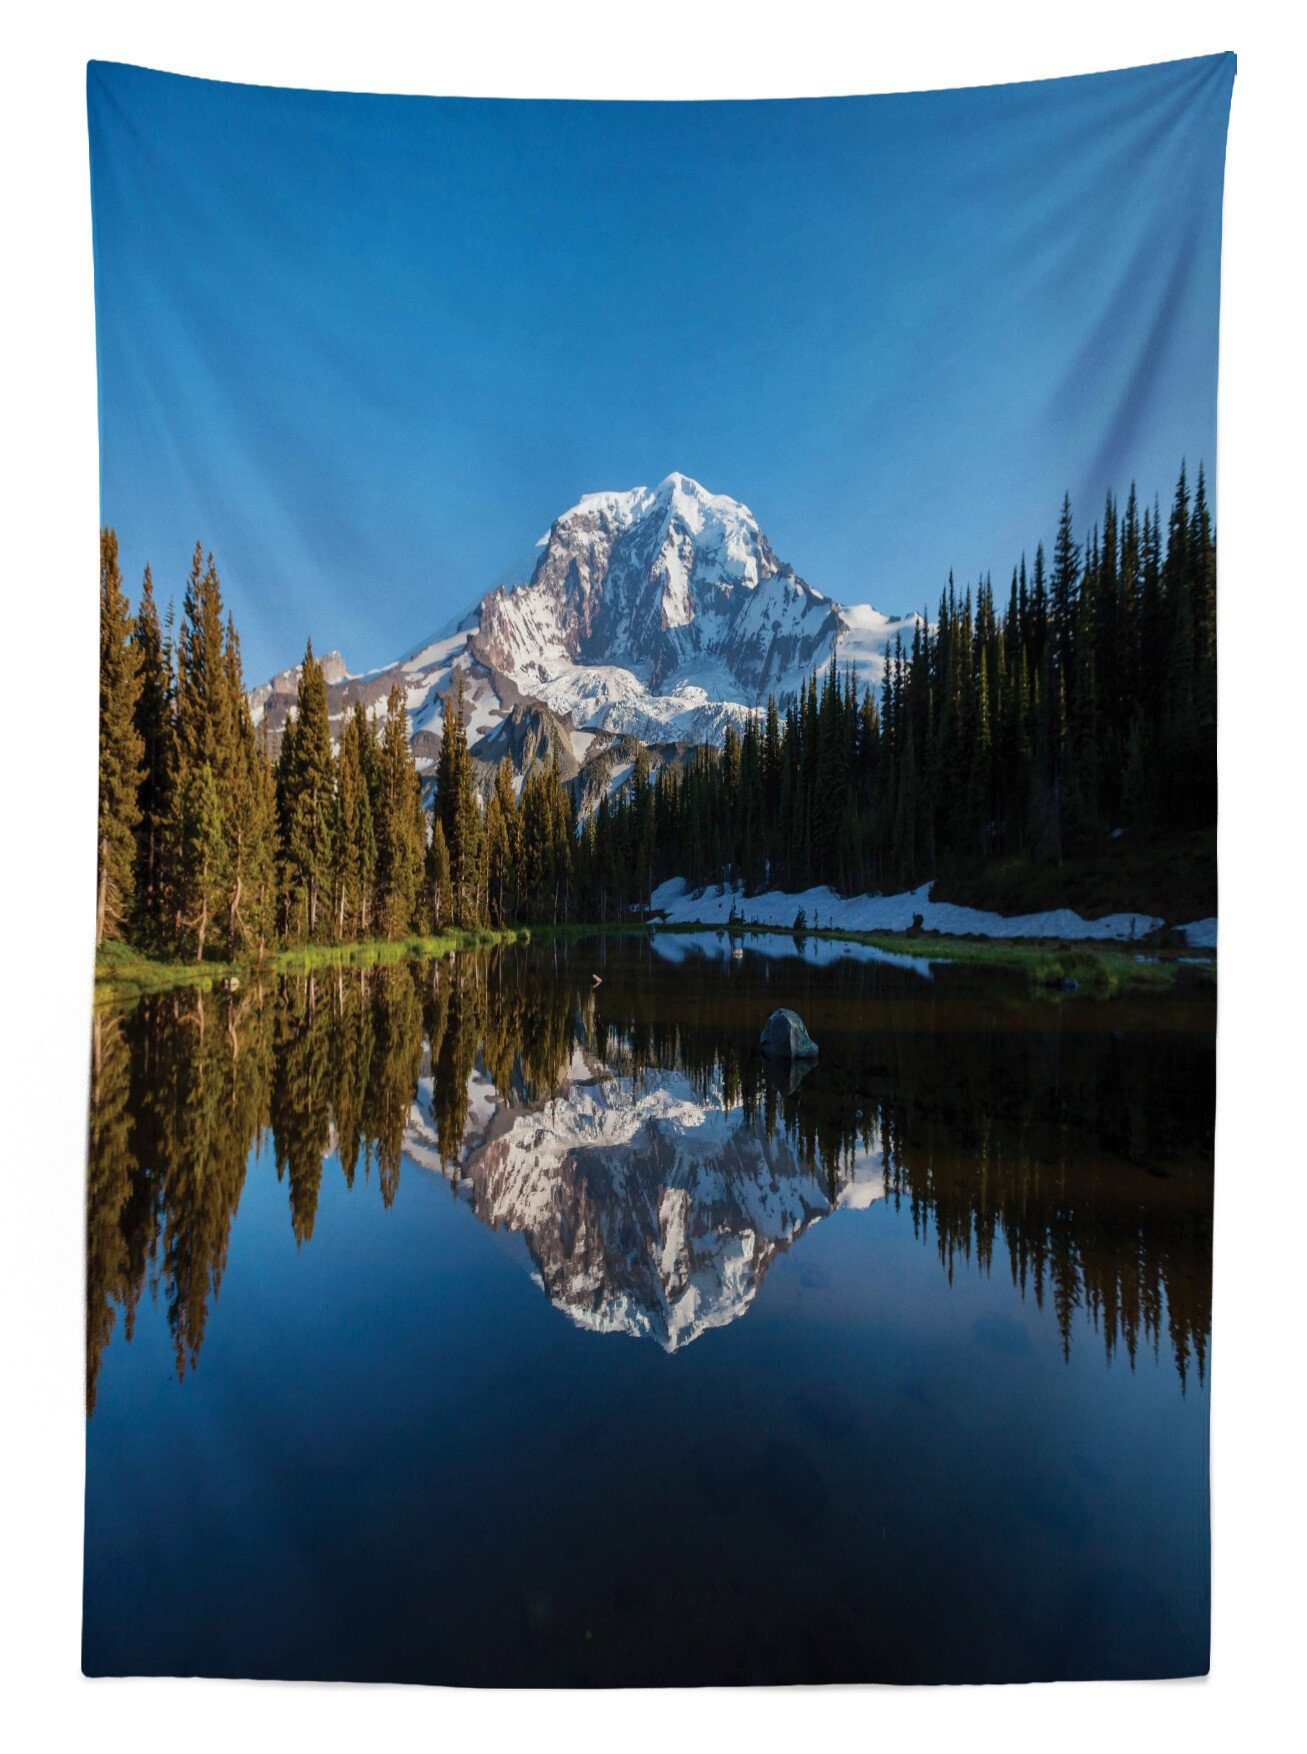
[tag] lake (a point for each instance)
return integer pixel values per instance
(476, 1321)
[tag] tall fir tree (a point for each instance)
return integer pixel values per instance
(305, 807)
(154, 723)
(459, 812)
(400, 839)
(503, 848)
(437, 878)
(121, 753)
(249, 820)
(201, 863)
(353, 834)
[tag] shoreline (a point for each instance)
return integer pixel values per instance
(124, 973)
(1095, 969)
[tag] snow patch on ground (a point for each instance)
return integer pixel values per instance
(823, 908)
(1200, 934)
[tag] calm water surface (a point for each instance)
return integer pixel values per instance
(472, 1321)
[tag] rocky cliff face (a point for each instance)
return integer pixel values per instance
(674, 584)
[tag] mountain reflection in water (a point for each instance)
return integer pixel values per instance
(631, 1134)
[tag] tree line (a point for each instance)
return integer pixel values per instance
(1084, 707)
(206, 844)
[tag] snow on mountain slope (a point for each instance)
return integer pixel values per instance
(661, 613)
(675, 586)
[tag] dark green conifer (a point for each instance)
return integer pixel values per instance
(121, 753)
(305, 808)
(158, 760)
(401, 847)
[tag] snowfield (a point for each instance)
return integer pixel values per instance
(823, 908)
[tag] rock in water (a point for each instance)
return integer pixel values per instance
(786, 1075)
(785, 1038)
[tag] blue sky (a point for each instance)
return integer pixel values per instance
(366, 348)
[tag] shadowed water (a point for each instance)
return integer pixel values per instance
(473, 1321)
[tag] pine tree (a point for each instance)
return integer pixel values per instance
(155, 728)
(642, 827)
(353, 836)
(503, 848)
(201, 862)
(437, 877)
(121, 752)
(400, 842)
(1202, 563)
(305, 808)
(459, 811)
(1066, 573)
(206, 713)
(562, 822)
(249, 819)
(203, 700)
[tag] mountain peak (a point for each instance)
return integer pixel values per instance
(643, 579)
(699, 508)
(660, 612)
(621, 508)
(678, 486)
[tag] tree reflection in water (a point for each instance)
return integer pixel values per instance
(1072, 1143)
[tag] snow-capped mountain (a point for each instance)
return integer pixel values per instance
(661, 613)
(649, 1207)
(667, 583)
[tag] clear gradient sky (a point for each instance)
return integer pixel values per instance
(366, 348)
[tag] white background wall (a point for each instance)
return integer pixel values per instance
(48, 698)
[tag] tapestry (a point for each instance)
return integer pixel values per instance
(653, 1046)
